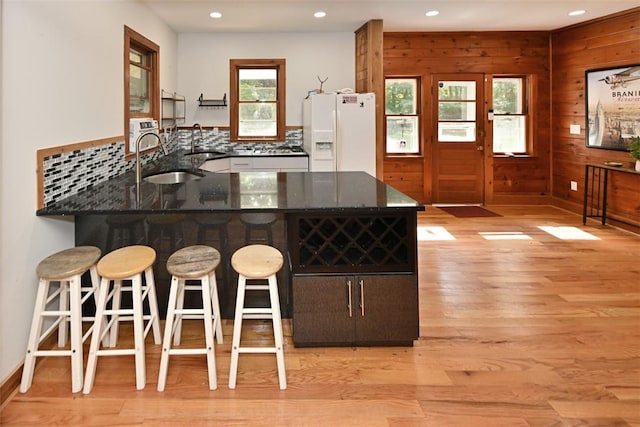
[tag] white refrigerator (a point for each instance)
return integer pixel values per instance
(339, 132)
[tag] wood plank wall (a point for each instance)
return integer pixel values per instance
(369, 77)
(508, 180)
(603, 43)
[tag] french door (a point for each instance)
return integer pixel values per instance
(458, 139)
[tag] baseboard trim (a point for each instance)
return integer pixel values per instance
(10, 385)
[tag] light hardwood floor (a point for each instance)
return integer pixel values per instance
(518, 328)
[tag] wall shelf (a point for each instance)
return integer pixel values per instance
(212, 103)
(173, 109)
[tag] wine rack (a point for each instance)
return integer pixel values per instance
(352, 243)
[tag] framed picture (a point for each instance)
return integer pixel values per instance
(613, 107)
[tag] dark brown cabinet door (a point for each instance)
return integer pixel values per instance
(321, 312)
(387, 309)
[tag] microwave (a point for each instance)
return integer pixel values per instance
(139, 126)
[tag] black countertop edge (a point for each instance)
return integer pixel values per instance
(315, 210)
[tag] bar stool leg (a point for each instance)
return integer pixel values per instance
(115, 318)
(34, 335)
(75, 301)
(97, 337)
(208, 330)
(215, 301)
(237, 331)
(179, 304)
(63, 305)
(138, 332)
(153, 305)
(277, 330)
(95, 291)
(177, 287)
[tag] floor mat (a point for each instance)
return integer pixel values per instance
(468, 211)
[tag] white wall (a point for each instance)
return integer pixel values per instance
(203, 67)
(62, 83)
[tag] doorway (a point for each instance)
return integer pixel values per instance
(458, 139)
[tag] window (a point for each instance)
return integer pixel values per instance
(509, 115)
(141, 75)
(257, 99)
(402, 115)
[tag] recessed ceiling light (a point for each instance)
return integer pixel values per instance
(320, 14)
(432, 13)
(577, 12)
(215, 15)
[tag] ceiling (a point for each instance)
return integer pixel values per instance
(192, 16)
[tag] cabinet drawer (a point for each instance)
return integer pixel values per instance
(241, 164)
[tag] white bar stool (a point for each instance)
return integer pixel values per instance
(65, 267)
(125, 264)
(193, 263)
(257, 262)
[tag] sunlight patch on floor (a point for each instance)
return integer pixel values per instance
(434, 233)
(504, 235)
(568, 233)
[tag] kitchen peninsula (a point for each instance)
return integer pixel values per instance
(351, 274)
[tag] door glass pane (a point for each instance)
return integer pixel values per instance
(457, 91)
(457, 111)
(456, 131)
(402, 134)
(257, 119)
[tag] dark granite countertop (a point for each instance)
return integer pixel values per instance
(232, 192)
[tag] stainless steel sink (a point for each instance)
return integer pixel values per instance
(173, 177)
(206, 154)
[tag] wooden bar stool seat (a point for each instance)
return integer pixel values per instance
(130, 264)
(66, 268)
(193, 263)
(257, 262)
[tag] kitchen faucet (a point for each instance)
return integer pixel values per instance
(138, 167)
(193, 141)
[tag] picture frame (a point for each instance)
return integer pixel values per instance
(612, 107)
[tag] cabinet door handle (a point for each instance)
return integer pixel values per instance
(349, 294)
(361, 282)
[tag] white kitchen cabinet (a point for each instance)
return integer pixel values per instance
(216, 165)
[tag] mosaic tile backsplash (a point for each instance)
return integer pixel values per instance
(66, 174)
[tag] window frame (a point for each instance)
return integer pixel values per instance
(133, 39)
(418, 115)
(527, 113)
(235, 65)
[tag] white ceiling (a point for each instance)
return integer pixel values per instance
(186, 16)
